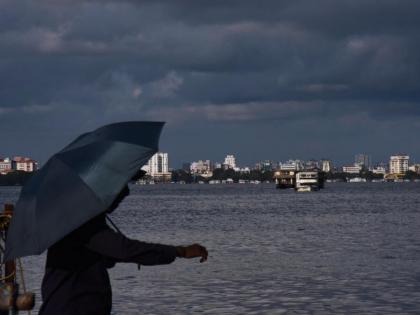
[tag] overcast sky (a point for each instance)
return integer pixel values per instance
(259, 79)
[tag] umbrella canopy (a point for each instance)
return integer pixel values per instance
(78, 183)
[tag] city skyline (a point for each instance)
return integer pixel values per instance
(230, 161)
(171, 164)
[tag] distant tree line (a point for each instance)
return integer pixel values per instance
(261, 175)
(16, 178)
(366, 174)
(411, 175)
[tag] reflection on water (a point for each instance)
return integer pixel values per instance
(349, 249)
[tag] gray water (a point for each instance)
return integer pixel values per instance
(349, 249)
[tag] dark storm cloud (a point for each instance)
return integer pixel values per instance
(70, 66)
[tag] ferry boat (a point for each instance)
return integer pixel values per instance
(357, 180)
(285, 179)
(307, 181)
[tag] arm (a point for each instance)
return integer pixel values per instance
(119, 248)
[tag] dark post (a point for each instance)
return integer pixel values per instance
(9, 276)
(10, 267)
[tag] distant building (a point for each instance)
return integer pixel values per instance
(217, 165)
(5, 165)
(24, 164)
(158, 167)
(379, 170)
(230, 161)
(363, 160)
(326, 166)
(292, 165)
(415, 168)
(203, 168)
(311, 164)
(264, 166)
(352, 169)
(398, 164)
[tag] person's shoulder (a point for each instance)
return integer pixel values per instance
(91, 227)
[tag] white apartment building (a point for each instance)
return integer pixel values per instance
(398, 164)
(230, 161)
(158, 166)
(352, 169)
(326, 166)
(24, 164)
(5, 165)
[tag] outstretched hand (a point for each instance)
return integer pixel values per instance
(192, 251)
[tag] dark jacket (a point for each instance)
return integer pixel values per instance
(76, 280)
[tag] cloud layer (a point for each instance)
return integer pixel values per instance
(313, 79)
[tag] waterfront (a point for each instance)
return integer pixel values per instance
(353, 248)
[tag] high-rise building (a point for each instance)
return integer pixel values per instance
(230, 161)
(158, 166)
(362, 160)
(326, 166)
(398, 164)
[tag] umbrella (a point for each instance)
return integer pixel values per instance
(78, 183)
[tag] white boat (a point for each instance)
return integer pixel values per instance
(304, 189)
(307, 181)
(357, 180)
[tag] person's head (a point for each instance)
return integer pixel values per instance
(124, 192)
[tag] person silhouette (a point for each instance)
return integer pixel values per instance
(76, 280)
